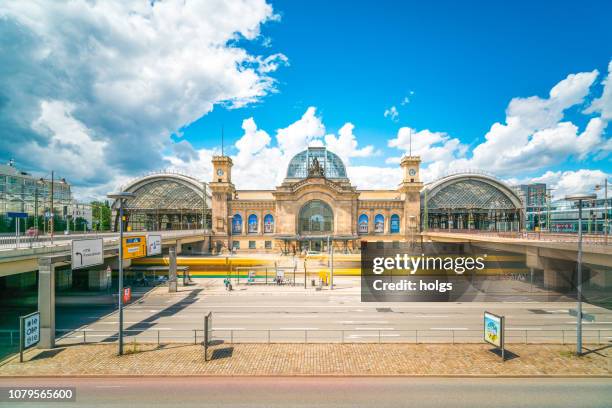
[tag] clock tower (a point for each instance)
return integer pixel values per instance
(411, 190)
(222, 194)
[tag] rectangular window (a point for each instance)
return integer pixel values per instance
(252, 245)
(380, 245)
(395, 244)
(236, 244)
(268, 244)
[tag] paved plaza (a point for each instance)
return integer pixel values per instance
(312, 359)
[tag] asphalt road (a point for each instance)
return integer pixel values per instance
(248, 312)
(345, 392)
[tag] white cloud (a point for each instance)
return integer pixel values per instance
(128, 73)
(581, 181)
(405, 101)
(345, 145)
(392, 113)
(603, 104)
(431, 146)
(301, 133)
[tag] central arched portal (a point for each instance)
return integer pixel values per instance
(315, 224)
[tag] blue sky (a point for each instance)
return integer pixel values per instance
(103, 92)
(353, 60)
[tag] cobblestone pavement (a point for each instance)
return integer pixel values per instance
(310, 359)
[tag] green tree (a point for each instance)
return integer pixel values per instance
(101, 215)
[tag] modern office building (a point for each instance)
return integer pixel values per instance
(562, 216)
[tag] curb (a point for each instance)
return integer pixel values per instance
(509, 376)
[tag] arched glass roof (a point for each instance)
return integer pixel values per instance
(469, 193)
(301, 162)
(165, 194)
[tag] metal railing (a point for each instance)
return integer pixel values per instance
(306, 336)
(597, 239)
(37, 241)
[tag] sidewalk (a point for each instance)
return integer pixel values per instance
(311, 360)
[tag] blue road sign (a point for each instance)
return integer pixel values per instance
(17, 215)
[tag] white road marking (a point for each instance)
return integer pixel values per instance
(523, 328)
(449, 328)
(298, 328)
(363, 321)
(372, 328)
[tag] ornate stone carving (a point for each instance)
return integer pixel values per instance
(316, 169)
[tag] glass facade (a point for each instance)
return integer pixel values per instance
(302, 162)
(395, 224)
(237, 224)
(252, 224)
(379, 224)
(167, 202)
(268, 224)
(471, 203)
(315, 217)
(363, 224)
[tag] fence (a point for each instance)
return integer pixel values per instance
(595, 239)
(305, 336)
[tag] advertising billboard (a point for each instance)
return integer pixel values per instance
(87, 252)
(494, 329)
(154, 245)
(134, 247)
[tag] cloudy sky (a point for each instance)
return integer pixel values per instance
(105, 91)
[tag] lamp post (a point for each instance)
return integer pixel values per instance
(606, 226)
(120, 197)
(579, 198)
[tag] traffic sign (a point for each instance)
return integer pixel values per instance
(17, 215)
(585, 316)
(87, 252)
(134, 247)
(29, 332)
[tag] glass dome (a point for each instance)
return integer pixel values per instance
(305, 162)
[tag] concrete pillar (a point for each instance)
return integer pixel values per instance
(46, 302)
(97, 279)
(558, 274)
(172, 269)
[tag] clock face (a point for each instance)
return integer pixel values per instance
(219, 172)
(412, 172)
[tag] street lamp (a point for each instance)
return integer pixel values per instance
(579, 198)
(120, 198)
(606, 221)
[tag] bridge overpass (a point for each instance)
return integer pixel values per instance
(554, 254)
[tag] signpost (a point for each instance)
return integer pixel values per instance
(585, 316)
(29, 332)
(494, 331)
(87, 252)
(154, 244)
(134, 247)
(207, 333)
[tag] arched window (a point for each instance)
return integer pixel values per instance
(252, 224)
(395, 224)
(379, 224)
(362, 224)
(269, 224)
(237, 224)
(315, 217)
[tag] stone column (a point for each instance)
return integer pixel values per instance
(172, 283)
(46, 302)
(558, 274)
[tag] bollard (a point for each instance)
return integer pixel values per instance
(158, 338)
(84, 337)
(453, 336)
(195, 336)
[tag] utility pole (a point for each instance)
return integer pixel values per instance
(606, 226)
(52, 222)
(579, 198)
